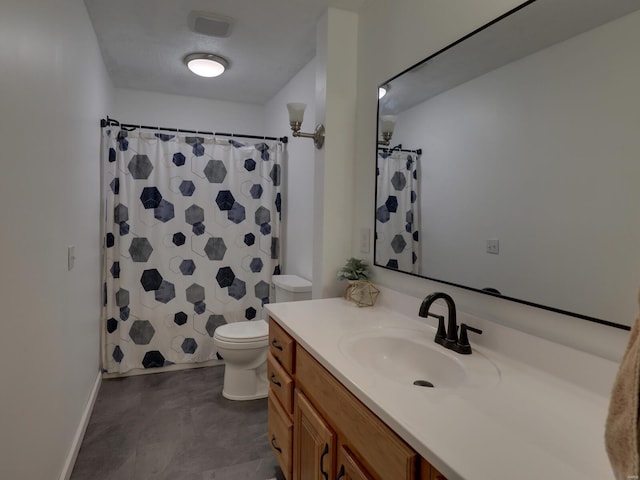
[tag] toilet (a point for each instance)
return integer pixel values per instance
(291, 288)
(244, 345)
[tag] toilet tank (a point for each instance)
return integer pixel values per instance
(291, 288)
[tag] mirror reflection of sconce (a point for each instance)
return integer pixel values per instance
(387, 124)
(296, 115)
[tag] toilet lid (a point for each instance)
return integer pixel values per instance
(240, 332)
(292, 283)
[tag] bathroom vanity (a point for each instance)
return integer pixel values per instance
(343, 405)
(337, 436)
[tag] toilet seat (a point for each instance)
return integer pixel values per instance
(249, 332)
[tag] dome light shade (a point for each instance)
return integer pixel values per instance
(206, 64)
(382, 91)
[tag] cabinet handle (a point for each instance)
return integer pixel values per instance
(275, 345)
(340, 473)
(274, 381)
(324, 452)
(273, 444)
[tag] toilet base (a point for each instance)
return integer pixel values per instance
(242, 384)
(245, 397)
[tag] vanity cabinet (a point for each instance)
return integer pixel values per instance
(334, 435)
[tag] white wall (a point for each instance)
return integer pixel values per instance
(297, 225)
(336, 71)
(548, 164)
(412, 30)
(53, 91)
(189, 113)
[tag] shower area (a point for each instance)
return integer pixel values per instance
(191, 224)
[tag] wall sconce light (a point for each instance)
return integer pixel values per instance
(296, 115)
(387, 124)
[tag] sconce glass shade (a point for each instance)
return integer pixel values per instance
(206, 64)
(296, 112)
(387, 123)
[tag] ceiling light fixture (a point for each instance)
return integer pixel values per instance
(382, 91)
(206, 64)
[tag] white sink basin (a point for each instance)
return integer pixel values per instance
(408, 355)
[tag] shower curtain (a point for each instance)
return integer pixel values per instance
(191, 228)
(397, 215)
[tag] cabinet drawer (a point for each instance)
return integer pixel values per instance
(281, 346)
(374, 444)
(280, 383)
(280, 430)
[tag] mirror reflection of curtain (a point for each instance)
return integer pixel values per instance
(397, 216)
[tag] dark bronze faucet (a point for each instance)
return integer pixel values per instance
(449, 337)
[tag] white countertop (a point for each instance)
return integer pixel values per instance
(543, 420)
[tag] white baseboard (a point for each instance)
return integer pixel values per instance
(82, 427)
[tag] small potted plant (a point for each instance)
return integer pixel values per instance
(354, 269)
(360, 290)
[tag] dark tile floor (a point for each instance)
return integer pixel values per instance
(175, 426)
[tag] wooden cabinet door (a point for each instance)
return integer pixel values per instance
(313, 443)
(349, 468)
(436, 475)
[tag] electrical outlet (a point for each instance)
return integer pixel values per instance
(493, 246)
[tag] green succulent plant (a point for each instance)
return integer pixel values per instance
(354, 269)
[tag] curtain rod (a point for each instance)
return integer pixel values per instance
(127, 126)
(398, 148)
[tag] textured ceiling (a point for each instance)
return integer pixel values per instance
(537, 26)
(143, 43)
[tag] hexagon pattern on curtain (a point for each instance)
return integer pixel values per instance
(397, 213)
(191, 242)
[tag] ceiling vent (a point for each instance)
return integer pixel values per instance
(209, 24)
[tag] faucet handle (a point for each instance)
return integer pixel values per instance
(470, 328)
(463, 346)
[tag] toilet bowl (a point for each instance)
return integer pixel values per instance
(243, 346)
